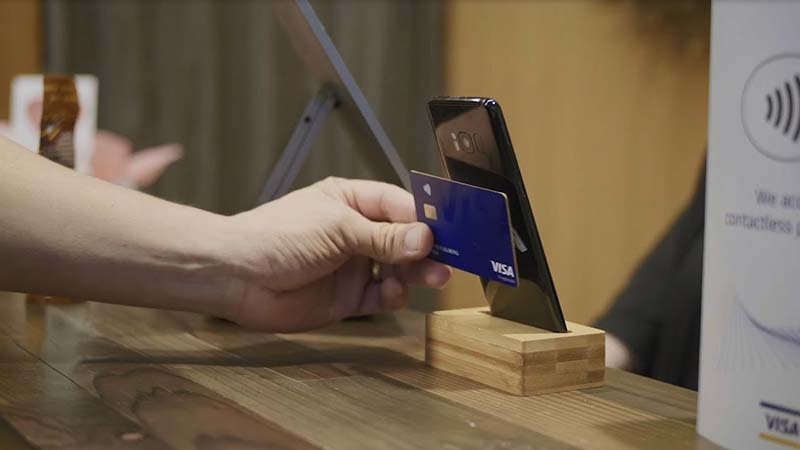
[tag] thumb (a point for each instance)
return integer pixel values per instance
(393, 243)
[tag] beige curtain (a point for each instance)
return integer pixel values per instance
(222, 78)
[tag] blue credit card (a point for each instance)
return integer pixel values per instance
(471, 226)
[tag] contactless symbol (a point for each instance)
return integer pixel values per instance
(775, 104)
(771, 108)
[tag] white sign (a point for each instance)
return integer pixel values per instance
(750, 347)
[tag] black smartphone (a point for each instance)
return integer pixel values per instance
(476, 149)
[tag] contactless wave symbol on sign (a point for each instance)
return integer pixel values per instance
(790, 95)
(771, 108)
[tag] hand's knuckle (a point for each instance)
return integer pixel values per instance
(327, 184)
(329, 180)
(343, 235)
(385, 240)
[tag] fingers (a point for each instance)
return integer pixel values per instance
(383, 224)
(391, 243)
(425, 273)
(387, 295)
(374, 200)
(350, 294)
(392, 292)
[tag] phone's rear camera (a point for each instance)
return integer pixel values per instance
(455, 142)
(476, 143)
(466, 142)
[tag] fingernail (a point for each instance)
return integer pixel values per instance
(438, 277)
(413, 239)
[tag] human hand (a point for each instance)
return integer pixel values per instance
(305, 260)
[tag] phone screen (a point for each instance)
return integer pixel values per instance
(471, 154)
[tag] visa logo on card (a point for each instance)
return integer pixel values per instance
(471, 226)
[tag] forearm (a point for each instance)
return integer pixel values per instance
(66, 234)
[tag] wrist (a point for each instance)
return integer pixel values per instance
(220, 266)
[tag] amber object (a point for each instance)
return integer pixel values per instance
(60, 110)
(59, 113)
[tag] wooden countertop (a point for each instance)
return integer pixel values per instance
(93, 376)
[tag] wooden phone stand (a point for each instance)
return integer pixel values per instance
(516, 358)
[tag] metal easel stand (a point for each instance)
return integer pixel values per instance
(299, 146)
(339, 90)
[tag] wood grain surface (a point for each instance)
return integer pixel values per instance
(100, 376)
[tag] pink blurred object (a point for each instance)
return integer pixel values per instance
(114, 160)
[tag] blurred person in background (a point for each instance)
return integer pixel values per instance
(653, 326)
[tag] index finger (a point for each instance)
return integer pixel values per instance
(377, 201)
